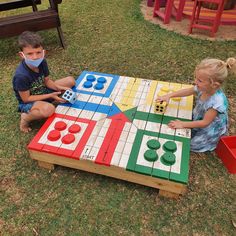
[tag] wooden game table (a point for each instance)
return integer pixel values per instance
(114, 129)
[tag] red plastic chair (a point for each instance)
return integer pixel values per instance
(206, 24)
(168, 11)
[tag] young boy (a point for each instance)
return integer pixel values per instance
(33, 88)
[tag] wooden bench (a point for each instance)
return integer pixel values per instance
(14, 4)
(33, 21)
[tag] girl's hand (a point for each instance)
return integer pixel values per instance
(176, 124)
(165, 98)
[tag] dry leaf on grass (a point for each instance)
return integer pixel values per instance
(234, 224)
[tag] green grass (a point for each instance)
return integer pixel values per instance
(110, 36)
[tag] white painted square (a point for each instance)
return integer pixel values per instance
(166, 130)
(85, 114)
(98, 116)
(153, 126)
(106, 101)
(116, 158)
(140, 124)
(124, 135)
(73, 112)
(90, 153)
(127, 149)
(124, 160)
(62, 109)
(170, 111)
(103, 131)
(127, 126)
(83, 97)
(95, 99)
(183, 133)
(98, 142)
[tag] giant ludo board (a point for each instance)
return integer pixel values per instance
(114, 130)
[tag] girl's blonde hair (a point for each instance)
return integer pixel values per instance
(216, 69)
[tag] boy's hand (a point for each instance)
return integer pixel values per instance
(62, 88)
(55, 96)
(176, 124)
(165, 98)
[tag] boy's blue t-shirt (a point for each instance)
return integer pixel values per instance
(26, 79)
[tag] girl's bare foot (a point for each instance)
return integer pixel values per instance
(24, 125)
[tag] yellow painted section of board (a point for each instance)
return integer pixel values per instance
(124, 106)
(128, 89)
(189, 100)
(151, 93)
(131, 89)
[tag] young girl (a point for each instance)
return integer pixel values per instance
(210, 115)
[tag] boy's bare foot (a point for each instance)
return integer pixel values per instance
(24, 125)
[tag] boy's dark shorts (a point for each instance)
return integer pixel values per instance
(26, 107)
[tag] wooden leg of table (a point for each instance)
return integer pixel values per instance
(46, 165)
(167, 194)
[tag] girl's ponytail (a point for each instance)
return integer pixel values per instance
(231, 64)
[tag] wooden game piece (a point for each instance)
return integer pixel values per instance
(101, 80)
(150, 155)
(75, 128)
(176, 99)
(54, 135)
(99, 86)
(68, 139)
(60, 125)
(168, 158)
(170, 146)
(160, 107)
(69, 96)
(153, 144)
(90, 78)
(88, 84)
(165, 89)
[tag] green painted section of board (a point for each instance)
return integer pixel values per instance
(130, 114)
(135, 150)
(139, 115)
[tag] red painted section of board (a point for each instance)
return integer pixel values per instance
(75, 153)
(111, 139)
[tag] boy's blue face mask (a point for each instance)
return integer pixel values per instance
(34, 63)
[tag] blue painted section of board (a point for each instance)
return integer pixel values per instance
(82, 79)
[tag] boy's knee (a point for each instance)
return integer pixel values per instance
(49, 110)
(71, 80)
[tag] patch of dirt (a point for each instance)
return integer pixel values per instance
(9, 186)
(225, 32)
